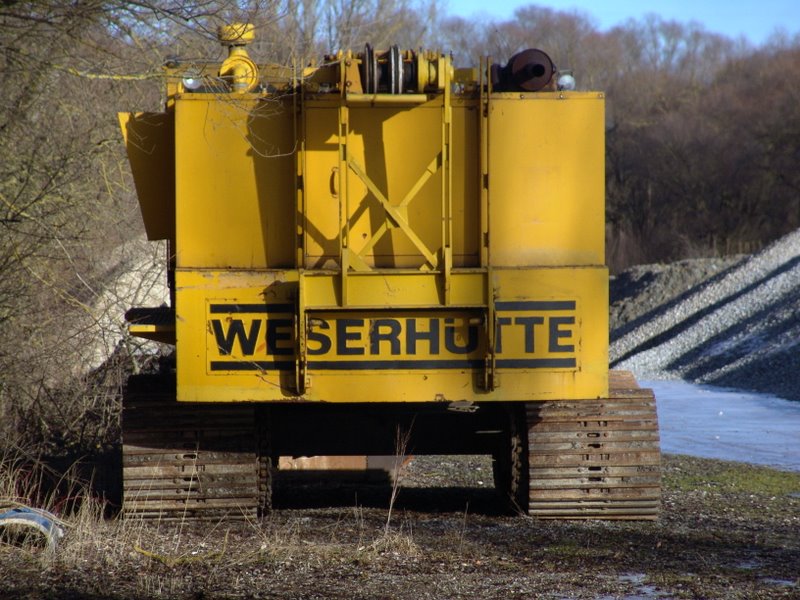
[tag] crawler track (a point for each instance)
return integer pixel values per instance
(587, 459)
(597, 459)
(188, 461)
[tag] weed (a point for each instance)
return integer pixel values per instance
(731, 477)
(401, 440)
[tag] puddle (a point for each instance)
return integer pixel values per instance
(643, 591)
(635, 578)
(710, 422)
(779, 582)
(749, 565)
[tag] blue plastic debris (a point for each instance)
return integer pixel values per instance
(42, 521)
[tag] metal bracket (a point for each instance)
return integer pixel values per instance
(395, 213)
(463, 406)
(490, 381)
(301, 380)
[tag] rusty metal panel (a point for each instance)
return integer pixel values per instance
(323, 463)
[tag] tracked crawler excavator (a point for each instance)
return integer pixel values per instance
(380, 243)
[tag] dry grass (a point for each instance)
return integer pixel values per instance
(158, 553)
(708, 544)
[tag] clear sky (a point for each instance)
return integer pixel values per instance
(754, 19)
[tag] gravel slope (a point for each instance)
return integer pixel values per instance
(730, 322)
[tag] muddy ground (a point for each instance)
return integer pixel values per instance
(726, 531)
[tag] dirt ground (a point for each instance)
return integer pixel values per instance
(726, 531)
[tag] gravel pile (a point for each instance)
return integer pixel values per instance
(728, 322)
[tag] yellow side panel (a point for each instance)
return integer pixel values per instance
(546, 179)
(235, 182)
(150, 141)
(465, 181)
(321, 187)
(237, 340)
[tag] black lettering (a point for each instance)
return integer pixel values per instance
(392, 336)
(319, 338)
(343, 336)
(226, 339)
(279, 330)
(498, 333)
(556, 333)
(412, 336)
(450, 344)
(529, 323)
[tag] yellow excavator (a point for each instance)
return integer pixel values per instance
(380, 243)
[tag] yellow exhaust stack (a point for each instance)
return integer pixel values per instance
(238, 70)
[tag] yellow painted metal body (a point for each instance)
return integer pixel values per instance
(350, 247)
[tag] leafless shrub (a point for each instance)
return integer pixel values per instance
(401, 441)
